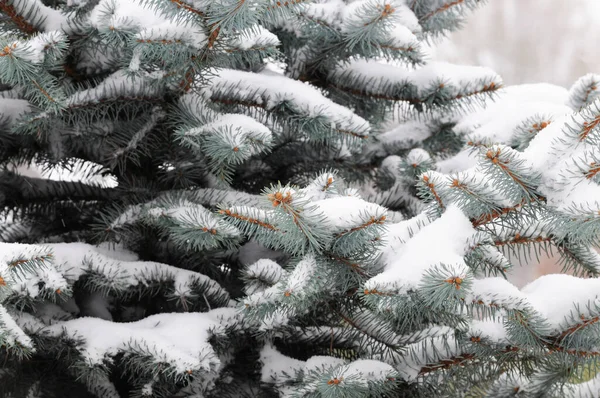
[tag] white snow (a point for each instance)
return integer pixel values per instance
(178, 339)
(346, 212)
(407, 132)
(556, 296)
(73, 259)
(459, 78)
(490, 329)
(12, 109)
(265, 270)
(277, 367)
(238, 130)
(271, 90)
(497, 291)
(398, 234)
(444, 241)
(496, 129)
(46, 18)
(149, 23)
(11, 332)
(588, 85)
(254, 38)
(365, 370)
(322, 363)
(34, 49)
(116, 85)
(300, 277)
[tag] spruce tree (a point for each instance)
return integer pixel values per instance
(263, 198)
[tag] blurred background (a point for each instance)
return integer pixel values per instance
(527, 41)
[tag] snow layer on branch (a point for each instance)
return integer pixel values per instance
(272, 90)
(238, 128)
(365, 370)
(34, 49)
(514, 104)
(377, 77)
(11, 109)
(355, 11)
(178, 339)
(11, 332)
(254, 37)
(490, 329)
(69, 261)
(325, 11)
(74, 259)
(78, 170)
(424, 352)
(562, 300)
(343, 16)
(301, 276)
(557, 296)
(501, 129)
(345, 212)
(262, 273)
(398, 234)
(116, 85)
(408, 132)
(277, 367)
(372, 76)
(558, 156)
(444, 241)
(46, 18)
(497, 291)
(26, 280)
(149, 23)
(500, 122)
(458, 77)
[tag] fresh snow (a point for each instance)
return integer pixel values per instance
(257, 37)
(34, 49)
(344, 213)
(150, 23)
(276, 366)
(375, 76)
(444, 241)
(557, 297)
(178, 339)
(271, 90)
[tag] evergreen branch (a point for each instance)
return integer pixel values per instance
(585, 322)
(431, 187)
(9, 10)
(357, 327)
(487, 89)
(353, 265)
(252, 104)
(187, 7)
(593, 171)
(447, 363)
(250, 220)
(496, 213)
(285, 3)
(372, 221)
(521, 240)
(385, 12)
(441, 9)
(588, 127)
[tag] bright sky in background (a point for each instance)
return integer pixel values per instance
(525, 41)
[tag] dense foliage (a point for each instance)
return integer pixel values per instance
(236, 198)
